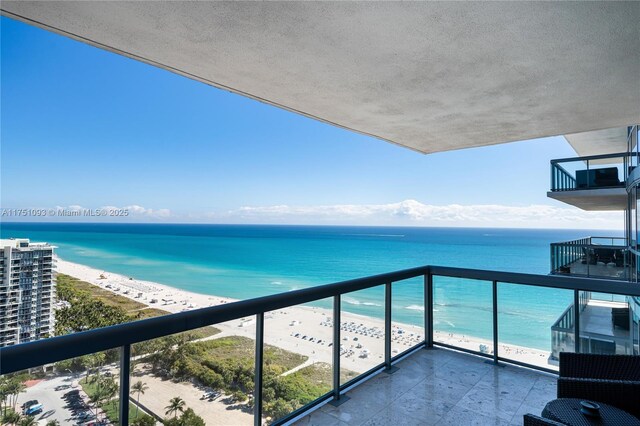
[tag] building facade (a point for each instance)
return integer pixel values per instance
(27, 291)
(606, 179)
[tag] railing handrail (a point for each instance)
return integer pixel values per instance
(592, 157)
(594, 246)
(580, 241)
(568, 313)
(40, 352)
(563, 170)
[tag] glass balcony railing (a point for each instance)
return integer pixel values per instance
(606, 324)
(271, 359)
(598, 257)
(592, 172)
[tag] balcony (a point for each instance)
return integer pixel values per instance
(408, 372)
(594, 257)
(595, 182)
(442, 387)
(605, 323)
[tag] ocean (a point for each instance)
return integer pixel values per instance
(245, 261)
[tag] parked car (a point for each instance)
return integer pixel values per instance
(34, 409)
(28, 404)
(86, 416)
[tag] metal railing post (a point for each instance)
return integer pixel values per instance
(125, 365)
(337, 398)
(428, 311)
(387, 330)
(495, 321)
(576, 319)
(257, 389)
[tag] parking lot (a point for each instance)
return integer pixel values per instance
(62, 400)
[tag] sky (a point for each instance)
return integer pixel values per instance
(85, 130)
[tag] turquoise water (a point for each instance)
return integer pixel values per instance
(242, 262)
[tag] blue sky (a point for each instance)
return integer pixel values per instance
(85, 127)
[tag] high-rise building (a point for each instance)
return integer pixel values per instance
(27, 290)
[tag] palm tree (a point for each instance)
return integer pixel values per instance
(95, 399)
(139, 387)
(107, 388)
(96, 361)
(28, 421)
(4, 394)
(11, 417)
(53, 423)
(14, 389)
(175, 405)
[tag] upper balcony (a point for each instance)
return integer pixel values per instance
(595, 182)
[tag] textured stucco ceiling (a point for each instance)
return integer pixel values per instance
(431, 76)
(607, 141)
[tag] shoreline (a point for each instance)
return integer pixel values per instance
(288, 322)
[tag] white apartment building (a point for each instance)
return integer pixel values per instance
(27, 291)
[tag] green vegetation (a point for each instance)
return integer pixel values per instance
(9, 417)
(139, 388)
(188, 418)
(94, 307)
(102, 391)
(227, 364)
(176, 405)
(144, 421)
(11, 385)
(28, 421)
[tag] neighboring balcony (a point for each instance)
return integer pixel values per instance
(591, 183)
(594, 257)
(605, 325)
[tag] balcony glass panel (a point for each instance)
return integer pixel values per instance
(595, 257)
(604, 171)
(463, 313)
(534, 324)
(407, 314)
(361, 331)
(298, 357)
(212, 374)
(606, 323)
(74, 391)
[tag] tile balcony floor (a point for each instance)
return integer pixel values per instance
(442, 387)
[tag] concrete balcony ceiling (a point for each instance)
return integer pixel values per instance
(430, 76)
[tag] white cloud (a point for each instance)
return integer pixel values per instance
(404, 213)
(415, 213)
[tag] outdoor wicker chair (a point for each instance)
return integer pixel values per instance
(533, 420)
(611, 379)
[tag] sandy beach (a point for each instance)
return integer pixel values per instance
(306, 330)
